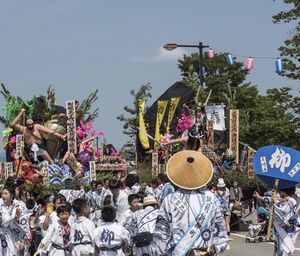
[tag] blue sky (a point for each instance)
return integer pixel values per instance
(116, 46)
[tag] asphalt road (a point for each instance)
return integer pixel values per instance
(238, 247)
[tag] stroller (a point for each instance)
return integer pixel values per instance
(259, 227)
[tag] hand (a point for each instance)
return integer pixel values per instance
(255, 194)
(23, 110)
(18, 213)
(49, 209)
(38, 252)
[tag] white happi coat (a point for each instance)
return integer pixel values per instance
(71, 194)
(177, 230)
(120, 203)
(82, 233)
(143, 221)
(12, 231)
(109, 236)
(54, 236)
(285, 211)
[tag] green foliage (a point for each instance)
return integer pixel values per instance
(145, 173)
(131, 123)
(291, 50)
(85, 106)
(13, 106)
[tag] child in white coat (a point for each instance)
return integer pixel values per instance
(58, 234)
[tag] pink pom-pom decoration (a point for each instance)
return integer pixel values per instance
(211, 53)
(249, 63)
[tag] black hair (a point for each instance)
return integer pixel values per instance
(165, 178)
(131, 197)
(113, 184)
(108, 213)
(93, 182)
(160, 176)
(154, 181)
(30, 203)
(289, 191)
(10, 190)
(107, 200)
(78, 205)
(99, 182)
(64, 208)
(60, 197)
(10, 181)
(262, 216)
(130, 180)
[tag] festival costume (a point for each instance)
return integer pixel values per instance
(96, 202)
(120, 203)
(109, 237)
(223, 197)
(71, 194)
(58, 238)
(166, 190)
(82, 233)
(12, 231)
(177, 230)
(35, 149)
(143, 221)
(285, 226)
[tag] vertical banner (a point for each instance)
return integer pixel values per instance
(161, 109)
(155, 168)
(173, 105)
(19, 145)
(45, 171)
(9, 169)
(217, 114)
(71, 127)
(210, 128)
(93, 175)
(143, 137)
(234, 132)
(251, 153)
(2, 171)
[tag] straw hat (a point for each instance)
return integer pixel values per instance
(221, 183)
(149, 200)
(189, 169)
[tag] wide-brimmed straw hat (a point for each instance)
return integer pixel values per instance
(189, 169)
(149, 200)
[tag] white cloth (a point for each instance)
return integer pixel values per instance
(177, 218)
(143, 221)
(111, 235)
(53, 236)
(120, 203)
(12, 231)
(82, 234)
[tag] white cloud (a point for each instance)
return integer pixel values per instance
(162, 56)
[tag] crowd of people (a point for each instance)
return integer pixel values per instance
(170, 215)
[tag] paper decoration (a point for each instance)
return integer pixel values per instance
(210, 53)
(249, 63)
(230, 59)
(278, 64)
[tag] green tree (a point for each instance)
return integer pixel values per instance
(291, 49)
(131, 123)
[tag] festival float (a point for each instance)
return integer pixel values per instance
(74, 123)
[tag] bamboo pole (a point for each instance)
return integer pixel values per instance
(272, 212)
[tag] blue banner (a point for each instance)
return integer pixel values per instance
(277, 162)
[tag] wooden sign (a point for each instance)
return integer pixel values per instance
(210, 140)
(155, 167)
(19, 145)
(71, 127)
(251, 173)
(93, 175)
(234, 132)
